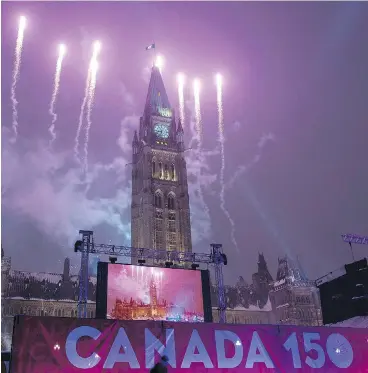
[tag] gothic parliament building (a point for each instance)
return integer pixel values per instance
(160, 216)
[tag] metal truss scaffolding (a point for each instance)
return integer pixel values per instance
(86, 246)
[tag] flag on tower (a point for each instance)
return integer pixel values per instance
(152, 46)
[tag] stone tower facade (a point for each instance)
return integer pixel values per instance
(294, 298)
(160, 215)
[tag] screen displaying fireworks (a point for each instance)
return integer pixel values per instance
(149, 293)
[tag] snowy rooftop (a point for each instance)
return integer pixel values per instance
(331, 276)
(252, 307)
(280, 282)
(53, 278)
(355, 322)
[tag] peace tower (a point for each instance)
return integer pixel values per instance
(160, 214)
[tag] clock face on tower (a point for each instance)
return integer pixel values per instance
(161, 130)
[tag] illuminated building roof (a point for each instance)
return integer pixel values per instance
(290, 272)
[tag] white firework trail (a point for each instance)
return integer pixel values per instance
(92, 64)
(181, 99)
(16, 69)
(59, 63)
(222, 152)
(81, 116)
(197, 110)
(91, 95)
(265, 138)
(199, 134)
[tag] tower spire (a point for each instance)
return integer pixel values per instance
(159, 176)
(135, 146)
(157, 101)
(180, 127)
(135, 139)
(180, 136)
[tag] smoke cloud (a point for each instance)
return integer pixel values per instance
(47, 187)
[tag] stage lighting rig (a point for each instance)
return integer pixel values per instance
(169, 264)
(78, 246)
(113, 259)
(86, 246)
(194, 266)
(141, 262)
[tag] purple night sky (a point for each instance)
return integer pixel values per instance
(296, 126)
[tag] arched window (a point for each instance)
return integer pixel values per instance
(172, 172)
(158, 200)
(153, 168)
(171, 202)
(166, 172)
(160, 170)
(299, 314)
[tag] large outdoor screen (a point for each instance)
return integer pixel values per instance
(154, 293)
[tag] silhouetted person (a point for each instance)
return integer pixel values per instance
(161, 366)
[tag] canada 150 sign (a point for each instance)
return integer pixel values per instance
(115, 346)
(338, 349)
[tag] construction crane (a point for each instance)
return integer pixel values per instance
(354, 238)
(87, 246)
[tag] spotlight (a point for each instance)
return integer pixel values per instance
(78, 246)
(168, 264)
(141, 261)
(113, 259)
(194, 266)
